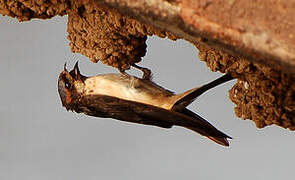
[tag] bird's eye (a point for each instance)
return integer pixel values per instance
(68, 85)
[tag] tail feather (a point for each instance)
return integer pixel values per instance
(186, 98)
(219, 140)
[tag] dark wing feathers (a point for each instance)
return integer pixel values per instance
(200, 119)
(130, 111)
(220, 139)
(112, 107)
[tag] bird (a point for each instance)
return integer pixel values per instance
(137, 100)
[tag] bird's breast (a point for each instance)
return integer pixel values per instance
(132, 89)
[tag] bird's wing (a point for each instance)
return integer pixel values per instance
(184, 99)
(120, 109)
(130, 111)
(221, 139)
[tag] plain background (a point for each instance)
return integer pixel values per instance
(40, 140)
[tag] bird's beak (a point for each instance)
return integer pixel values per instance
(75, 73)
(65, 67)
(76, 70)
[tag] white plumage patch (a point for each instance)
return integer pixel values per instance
(129, 88)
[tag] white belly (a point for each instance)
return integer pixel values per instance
(132, 89)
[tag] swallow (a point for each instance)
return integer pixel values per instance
(137, 100)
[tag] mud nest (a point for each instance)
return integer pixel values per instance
(104, 35)
(262, 94)
(25, 10)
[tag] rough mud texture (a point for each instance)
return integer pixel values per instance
(262, 94)
(25, 10)
(97, 32)
(104, 35)
(265, 95)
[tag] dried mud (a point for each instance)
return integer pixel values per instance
(262, 94)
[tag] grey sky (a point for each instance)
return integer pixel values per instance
(40, 140)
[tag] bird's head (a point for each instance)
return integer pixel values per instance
(70, 86)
